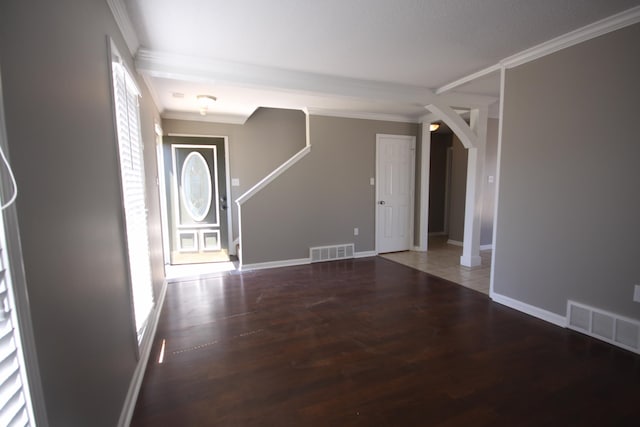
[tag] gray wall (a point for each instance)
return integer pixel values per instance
(458, 190)
(568, 213)
(62, 144)
(267, 139)
(320, 199)
(489, 189)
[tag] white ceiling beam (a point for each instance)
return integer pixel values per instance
(164, 65)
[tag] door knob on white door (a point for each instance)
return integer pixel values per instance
(381, 202)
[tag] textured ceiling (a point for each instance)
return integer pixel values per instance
(424, 43)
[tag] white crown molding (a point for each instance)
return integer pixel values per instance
(362, 115)
(467, 79)
(234, 119)
(598, 28)
(119, 11)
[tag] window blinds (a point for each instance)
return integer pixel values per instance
(15, 408)
(133, 190)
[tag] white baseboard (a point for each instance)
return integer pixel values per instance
(365, 254)
(145, 351)
(486, 247)
(437, 233)
(531, 310)
(294, 262)
(418, 249)
(275, 264)
(234, 245)
(454, 242)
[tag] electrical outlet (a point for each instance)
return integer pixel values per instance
(636, 293)
(356, 231)
(235, 182)
(372, 181)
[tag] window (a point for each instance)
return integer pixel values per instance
(127, 113)
(15, 397)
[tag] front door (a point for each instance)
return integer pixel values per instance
(395, 172)
(197, 200)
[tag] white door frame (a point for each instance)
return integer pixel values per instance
(412, 183)
(165, 219)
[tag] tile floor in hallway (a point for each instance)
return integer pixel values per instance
(443, 260)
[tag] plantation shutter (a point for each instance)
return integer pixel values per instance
(15, 408)
(133, 190)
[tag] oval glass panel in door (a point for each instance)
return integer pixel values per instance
(196, 186)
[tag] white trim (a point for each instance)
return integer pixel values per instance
(203, 241)
(119, 11)
(273, 175)
(588, 32)
(497, 184)
(454, 242)
(145, 351)
(593, 30)
(438, 233)
(193, 233)
(531, 310)
(227, 172)
(199, 217)
(467, 79)
(227, 118)
(363, 115)
(365, 254)
(418, 249)
(279, 170)
(298, 261)
(486, 247)
(425, 170)
(275, 264)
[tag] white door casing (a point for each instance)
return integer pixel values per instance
(395, 179)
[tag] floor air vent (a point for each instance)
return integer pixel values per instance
(330, 253)
(609, 327)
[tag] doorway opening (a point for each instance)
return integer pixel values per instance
(196, 216)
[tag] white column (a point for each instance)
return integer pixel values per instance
(475, 175)
(425, 158)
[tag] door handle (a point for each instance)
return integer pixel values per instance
(381, 202)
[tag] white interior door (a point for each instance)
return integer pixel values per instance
(395, 171)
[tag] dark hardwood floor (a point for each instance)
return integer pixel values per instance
(374, 343)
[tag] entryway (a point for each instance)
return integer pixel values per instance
(197, 212)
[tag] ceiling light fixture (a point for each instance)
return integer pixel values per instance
(434, 127)
(205, 102)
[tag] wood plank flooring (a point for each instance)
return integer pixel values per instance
(370, 342)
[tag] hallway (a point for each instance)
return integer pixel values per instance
(443, 260)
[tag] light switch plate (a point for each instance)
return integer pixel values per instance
(372, 181)
(235, 182)
(491, 179)
(356, 231)
(636, 293)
